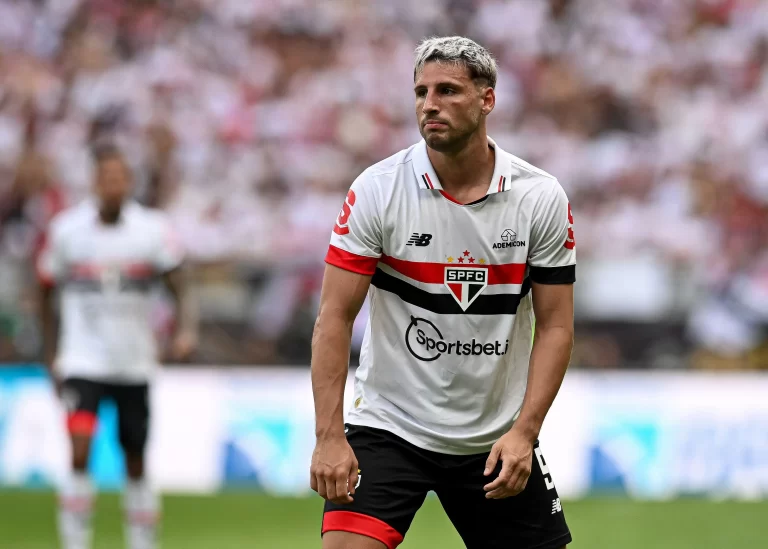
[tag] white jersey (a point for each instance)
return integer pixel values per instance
(106, 273)
(444, 361)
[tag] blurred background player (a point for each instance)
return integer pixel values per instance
(105, 256)
(655, 115)
(460, 243)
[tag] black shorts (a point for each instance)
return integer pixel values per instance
(395, 477)
(82, 398)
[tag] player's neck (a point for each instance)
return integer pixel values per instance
(110, 217)
(466, 174)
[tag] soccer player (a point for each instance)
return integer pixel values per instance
(460, 244)
(105, 255)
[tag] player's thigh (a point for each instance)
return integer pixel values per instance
(132, 402)
(81, 398)
(532, 519)
(347, 540)
(394, 479)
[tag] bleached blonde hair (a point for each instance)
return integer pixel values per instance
(460, 51)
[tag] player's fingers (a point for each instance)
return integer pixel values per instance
(322, 489)
(330, 488)
(519, 486)
(342, 490)
(518, 479)
(493, 458)
(499, 493)
(352, 480)
(502, 479)
(313, 481)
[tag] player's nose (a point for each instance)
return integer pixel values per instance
(430, 104)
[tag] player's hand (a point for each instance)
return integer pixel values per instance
(516, 454)
(333, 473)
(183, 345)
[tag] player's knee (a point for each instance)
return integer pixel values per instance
(79, 463)
(133, 443)
(348, 540)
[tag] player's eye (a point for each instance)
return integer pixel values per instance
(421, 92)
(448, 91)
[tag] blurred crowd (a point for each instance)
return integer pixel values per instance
(246, 120)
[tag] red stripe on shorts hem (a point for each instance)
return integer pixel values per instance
(365, 525)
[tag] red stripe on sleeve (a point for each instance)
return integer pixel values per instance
(357, 523)
(434, 273)
(348, 261)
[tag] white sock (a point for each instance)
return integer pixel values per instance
(142, 514)
(75, 505)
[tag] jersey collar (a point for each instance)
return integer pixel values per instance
(91, 204)
(428, 180)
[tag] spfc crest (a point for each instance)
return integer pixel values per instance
(466, 283)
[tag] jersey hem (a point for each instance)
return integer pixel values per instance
(106, 378)
(421, 444)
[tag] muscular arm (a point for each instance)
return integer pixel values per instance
(342, 296)
(49, 325)
(177, 282)
(553, 306)
(552, 344)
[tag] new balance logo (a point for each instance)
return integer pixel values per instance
(419, 239)
(556, 506)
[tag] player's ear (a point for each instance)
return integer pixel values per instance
(489, 99)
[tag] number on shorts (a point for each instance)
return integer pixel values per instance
(544, 469)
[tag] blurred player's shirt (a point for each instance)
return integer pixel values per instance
(444, 361)
(107, 273)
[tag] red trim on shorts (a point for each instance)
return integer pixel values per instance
(348, 261)
(365, 525)
(81, 422)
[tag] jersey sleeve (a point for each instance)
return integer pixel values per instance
(552, 257)
(169, 253)
(51, 261)
(356, 240)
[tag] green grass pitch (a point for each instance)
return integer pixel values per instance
(238, 520)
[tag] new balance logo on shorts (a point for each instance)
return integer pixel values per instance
(419, 239)
(556, 506)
